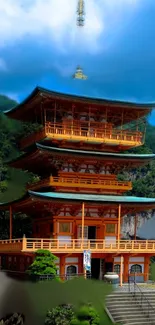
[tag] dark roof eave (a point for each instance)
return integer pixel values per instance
(96, 153)
(99, 101)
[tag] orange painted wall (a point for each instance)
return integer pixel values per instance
(42, 227)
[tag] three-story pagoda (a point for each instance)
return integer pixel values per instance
(79, 203)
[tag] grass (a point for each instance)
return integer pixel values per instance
(47, 295)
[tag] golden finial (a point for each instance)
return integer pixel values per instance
(80, 13)
(79, 74)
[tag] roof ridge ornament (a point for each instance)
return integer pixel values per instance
(79, 74)
(80, 23)
(80, 13)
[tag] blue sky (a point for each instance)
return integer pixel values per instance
(40, 44)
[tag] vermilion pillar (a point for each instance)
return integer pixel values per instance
(146, 268)
(62, 266)
(126, 268)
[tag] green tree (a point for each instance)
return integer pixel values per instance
(44, 263)
(61, 315)
(86, 315)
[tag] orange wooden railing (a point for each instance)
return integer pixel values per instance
(76, 245)
(82, 182)
(88, 182)
(101, 134)
(13, 245)
(105, 134)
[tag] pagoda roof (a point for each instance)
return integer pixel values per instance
(43, 153)
(27, 202)
(112, 199)
(41, 93)
(98, 154)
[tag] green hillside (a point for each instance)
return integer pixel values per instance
(6, 103)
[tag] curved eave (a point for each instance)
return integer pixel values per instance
(96, 153)
(98, 101)
(106, 199)
(126, 201)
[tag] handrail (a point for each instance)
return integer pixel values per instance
(77, 245)
(61, 129)
(79, 181)
(86, 180)
(147, 307)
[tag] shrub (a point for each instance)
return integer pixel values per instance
(61, 315)
(88, 314)
(44, 263)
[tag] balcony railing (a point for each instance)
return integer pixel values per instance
(97, 135)
(14, 245)
(77, 246)
(85, 183)
(90, 183)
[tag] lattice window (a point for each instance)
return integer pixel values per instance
(64, 227)
(117, 268)
(136, 268)
(110, 228)
(85, 232)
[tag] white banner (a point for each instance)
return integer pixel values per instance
(87, 260)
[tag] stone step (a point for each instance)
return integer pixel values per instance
(124, 307)
(129, 315)
(133, 318)
(119, 294)
(119, 309)
(145, 322)
(121, 300)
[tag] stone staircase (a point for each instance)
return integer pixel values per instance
(126, 309)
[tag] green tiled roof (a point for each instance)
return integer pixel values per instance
(93, 197)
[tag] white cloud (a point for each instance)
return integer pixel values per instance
(56, 19)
